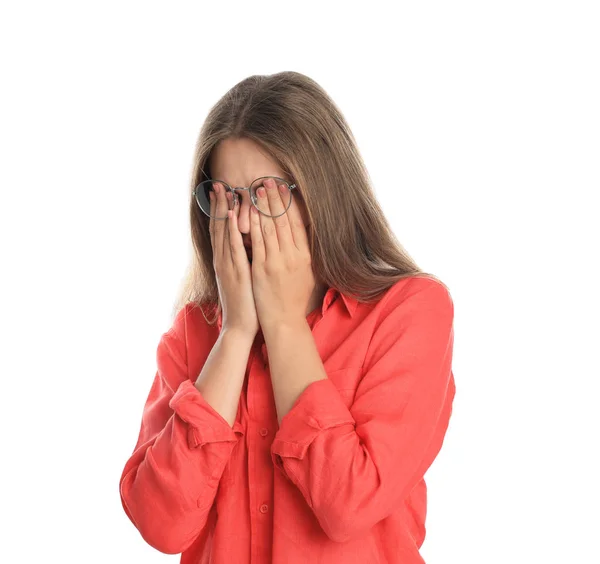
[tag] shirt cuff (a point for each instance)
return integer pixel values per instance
(205, 424)
(318, 408)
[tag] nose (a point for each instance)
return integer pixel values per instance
(242, 209)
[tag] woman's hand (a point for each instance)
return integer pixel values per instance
(282, 276)
(232, 268)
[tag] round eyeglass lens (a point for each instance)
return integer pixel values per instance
(203, 198)
(263, 205)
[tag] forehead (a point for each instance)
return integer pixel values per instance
(239, 161)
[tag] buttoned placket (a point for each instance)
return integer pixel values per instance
(262, 422)
(262, 426)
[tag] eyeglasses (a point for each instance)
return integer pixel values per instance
(202, 191)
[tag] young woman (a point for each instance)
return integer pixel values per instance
(296, 424)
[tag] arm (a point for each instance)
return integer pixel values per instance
(169, 483)
(355, 466)
(294, 363)
(228, 356)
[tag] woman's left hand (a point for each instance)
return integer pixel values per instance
(282, 276)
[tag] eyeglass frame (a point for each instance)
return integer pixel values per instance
(234, 192)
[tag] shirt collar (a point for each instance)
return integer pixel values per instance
(349, 303)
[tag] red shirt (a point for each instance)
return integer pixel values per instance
(341, 481)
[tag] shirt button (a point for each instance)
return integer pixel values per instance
(264, 432)
(264, 508)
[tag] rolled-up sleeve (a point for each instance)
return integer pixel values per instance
(355, 465)
(169, 483)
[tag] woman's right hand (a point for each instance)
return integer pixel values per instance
(232, 268)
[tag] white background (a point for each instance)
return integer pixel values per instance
(479, 123)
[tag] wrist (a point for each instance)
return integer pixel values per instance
(289, 326)
(242, 338)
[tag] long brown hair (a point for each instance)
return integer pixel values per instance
(352, 245)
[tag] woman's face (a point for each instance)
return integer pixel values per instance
(240, 161)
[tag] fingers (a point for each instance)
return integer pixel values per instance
(221, 227)
(272, 234)
(218, 207)
(238, 252)
(282, 237)
(215, 229)
(211, 225)
(228, 246)
(258, 245)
